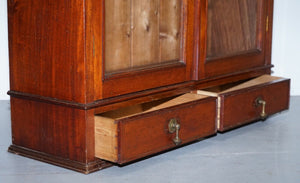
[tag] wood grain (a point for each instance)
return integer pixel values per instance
(56, 130)
(231, 27)
(117, 35)
(170, 30)
(276, 94)
(85, 168)
(157, 74)
(237, 101)
(145, 35)
(46, 46)
(221, 65)
(254, 82)
(106, 141)
(269, 33)
(137, 139)
(94, 32)
(141, 33)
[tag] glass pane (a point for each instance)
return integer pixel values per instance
(141, 34)
(232, 27)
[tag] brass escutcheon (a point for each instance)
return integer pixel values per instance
(259, 101)
(174, 126)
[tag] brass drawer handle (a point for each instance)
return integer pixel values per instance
(259, 101)
(174, 126)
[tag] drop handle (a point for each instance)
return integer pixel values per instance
(263, 103)
(174, 127)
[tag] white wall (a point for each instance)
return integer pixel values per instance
(286, 41)
(4, 76)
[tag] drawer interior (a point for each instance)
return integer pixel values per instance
(230, 87)
(106, 124)
(150, 106)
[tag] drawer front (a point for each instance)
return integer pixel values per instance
(146, 134)
(242, 106)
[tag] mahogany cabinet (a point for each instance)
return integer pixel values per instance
(96, 83)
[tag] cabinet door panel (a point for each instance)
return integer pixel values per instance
(145, 44)
(141, 34)
(169, 33)
(117, 41)
(145, 32)
(235, 36)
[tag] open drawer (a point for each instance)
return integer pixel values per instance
(137, 131)
(248, 101)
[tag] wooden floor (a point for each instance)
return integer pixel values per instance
(261, 152)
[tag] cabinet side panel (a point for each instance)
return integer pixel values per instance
(46, 44)
(55, 130)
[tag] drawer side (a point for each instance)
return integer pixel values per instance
(106, 141)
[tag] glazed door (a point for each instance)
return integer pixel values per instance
(145, 44)
(237, 36)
